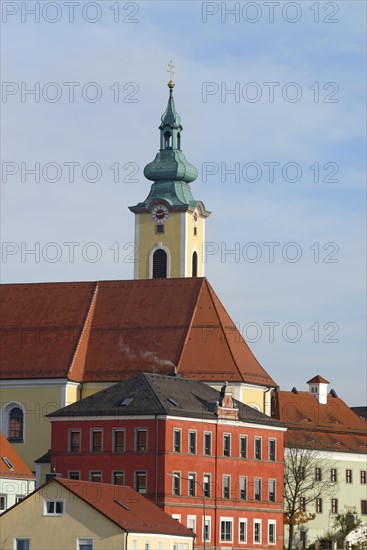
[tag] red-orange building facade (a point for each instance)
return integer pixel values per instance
(195, 449)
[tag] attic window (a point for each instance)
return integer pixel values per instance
(174, 402)
(126, 401)
(8, 463)
(122, 505)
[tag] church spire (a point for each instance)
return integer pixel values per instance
(169, 223)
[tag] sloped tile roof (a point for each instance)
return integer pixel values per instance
(109, 331)
(331, 426)
(317, 380)
(158, 394)
(7, 451)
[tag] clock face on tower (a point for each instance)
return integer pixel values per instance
(160, 213)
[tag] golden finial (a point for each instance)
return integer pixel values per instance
(171, 72)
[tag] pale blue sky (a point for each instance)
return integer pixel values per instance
(306, 293)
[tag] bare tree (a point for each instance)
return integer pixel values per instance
(306, 478)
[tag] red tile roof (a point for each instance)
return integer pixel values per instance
(20, 470)
(332, 426)
(318, 380)
(141, 516)
(111, 330)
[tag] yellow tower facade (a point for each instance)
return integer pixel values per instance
(170, 223)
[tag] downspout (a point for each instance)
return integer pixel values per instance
(156, 459)
(264, 401)
(126, 535)
(216, 485)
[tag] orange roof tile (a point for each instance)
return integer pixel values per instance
(318, 380)
(20, 469)
(111, 330)
(141, 515)
(330, 426)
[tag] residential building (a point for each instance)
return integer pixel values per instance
(211, 462)
(16, 479)
(65, 513)
(321, 421)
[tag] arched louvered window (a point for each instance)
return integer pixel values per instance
(159, 264)
(179, 141)
(16, 423)
(167, 139)
(195, 264)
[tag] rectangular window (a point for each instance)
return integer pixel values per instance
(141, 440)
(301, 473)
(302, 504)
(191, 523)
(363, 476)
(257, 488)
(22, 544)
(54, 507)
(271, 486)
(206, 530)
(226, 528)
(74, 441)
(176, 483)
(192, 485)
(242, 531)
(271, 532)
(243, 488)
(118, 441)
(272, 450)
(74, 475)
(95, 476)
(206, 485)
(243, 446)
(226, 486)
(18, 498)
(207, 443)
(85, 544)
(318, 474)
(334, 505)
(258, 452)
(96, 441)
(177, 441)
(348, 476)
(226, 445)
(363, 507)
(319, 505)
(3, 500)
(333, 474)
(118, 478)
(192, 442)
(257, 531)
(141, 482)
(159, 228)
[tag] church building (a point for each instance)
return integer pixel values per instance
(64, 341)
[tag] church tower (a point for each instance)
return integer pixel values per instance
(170, 223)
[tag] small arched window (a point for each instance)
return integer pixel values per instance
(195, 264)
(179, 141)
(167, 139)
(16, 425)
(160, 264)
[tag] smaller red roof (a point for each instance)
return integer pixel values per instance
(318, 380)
(11, 464)
(126, 508)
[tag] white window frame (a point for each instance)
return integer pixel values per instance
(70, 431)
(80, 539)
(176, 478)
(115, 430)
(226, 519)
(208, 520)
(196, 442)
(258, 438)
(229, 487)
(91, 432)
(259, 522)
(173, 440)
(275, 450)
(243, 437)
(211, 443)
(177, 517)
(117, 472)
(242, 521)
(18, 539)
(192, 518)
(240, 488)
(275, 490)
(261, 489)
(272, 522)
(229, 435)
(48, 514)
(137, 430)
(5, 497)
(95, 472)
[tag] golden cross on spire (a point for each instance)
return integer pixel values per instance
(171, 72)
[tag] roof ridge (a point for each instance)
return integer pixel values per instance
(89, 312)
(194, 309)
